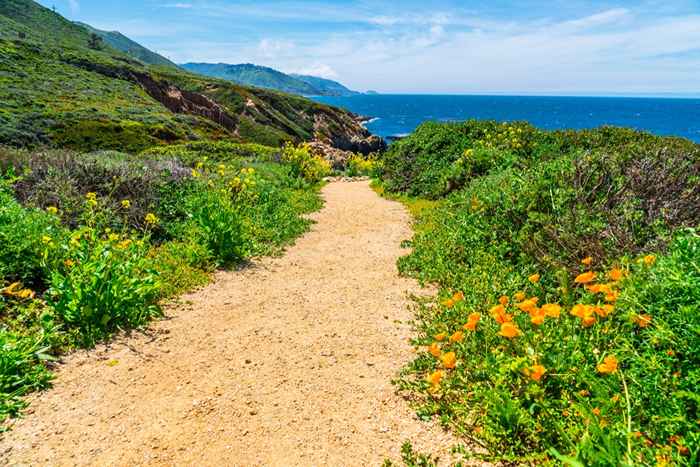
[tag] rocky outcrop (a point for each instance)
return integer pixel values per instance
(346, 133)
(173, 98)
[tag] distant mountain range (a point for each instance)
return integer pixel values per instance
(265, 77)
(121, 42)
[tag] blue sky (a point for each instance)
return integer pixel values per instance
(428, 46)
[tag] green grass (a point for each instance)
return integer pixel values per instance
(510, 201)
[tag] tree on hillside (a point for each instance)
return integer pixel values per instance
(95, 42)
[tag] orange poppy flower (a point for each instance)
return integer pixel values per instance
(536, 372)
(587, 261)
(535, 278)
(604, 310)
(457, 297)
(585, 277)
(649, 260)
(537, 316)
(449, 360)
(458, 336)
(615, 274)
(435, 377)
(472, 321)
(551, 309)
(434, 350)
(527, 305)
(612, 296)
(448, 303)
(441, 336)
(503, 300)
(596, 411)
(519, 296)
(643, 320)
(509, 330)
(608, 366)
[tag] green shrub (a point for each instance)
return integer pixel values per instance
(21, 371)
(219, 224)
(23, 235)
(102, 285)
(358, 165)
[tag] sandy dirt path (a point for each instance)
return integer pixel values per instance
(287, 362)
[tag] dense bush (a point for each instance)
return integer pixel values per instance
(102, 285)
(304, 164)
(525, 214)
(363, 166)
(23, 235)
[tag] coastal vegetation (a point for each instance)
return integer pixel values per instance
(566, 327)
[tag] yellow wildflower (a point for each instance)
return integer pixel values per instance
(52, 210)
(151, 219)
(519, 296)
(126, 204)
(535, 278)
(649, 260)
(587, 261)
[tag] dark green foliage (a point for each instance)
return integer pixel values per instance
(264, 77)
(21, 241)
(516, 201)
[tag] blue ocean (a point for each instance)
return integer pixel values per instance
(398, 115)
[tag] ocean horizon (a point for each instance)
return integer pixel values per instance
(395, 115)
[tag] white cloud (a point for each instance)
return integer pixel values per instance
(74, 6)
(320, 70)
(272, 49)
(615, 50)
(178, 5)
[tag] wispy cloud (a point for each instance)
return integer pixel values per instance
(74, 6)
(545, 46)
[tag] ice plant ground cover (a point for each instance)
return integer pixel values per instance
(91, 244)
(567, 327)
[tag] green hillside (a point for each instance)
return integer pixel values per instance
(326, 87)
(57, 90)
(252, 75)
(133, 49)
(269, 78)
